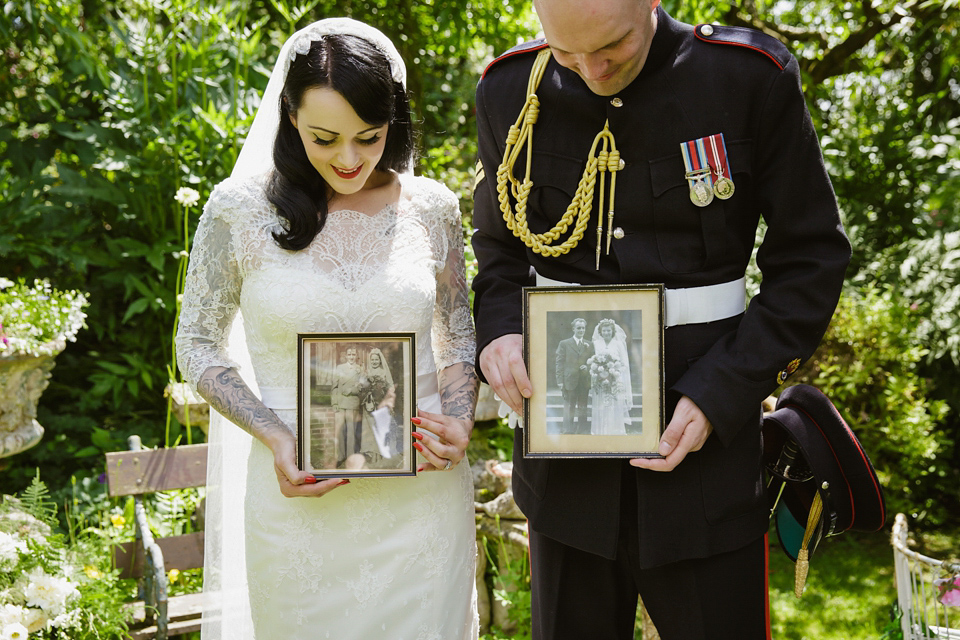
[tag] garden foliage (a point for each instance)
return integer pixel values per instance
(869, 364)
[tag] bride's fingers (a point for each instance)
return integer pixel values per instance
(307, 485)
(436, 460)
(449, 446)
(447, 429)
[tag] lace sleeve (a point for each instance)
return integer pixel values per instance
(211, 293)
(454, 339)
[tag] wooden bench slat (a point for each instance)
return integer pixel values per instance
(149, 470)
(179, 608)
(173, 629)
(179, 552)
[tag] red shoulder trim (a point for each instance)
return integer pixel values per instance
(526, 47)
(746, 38)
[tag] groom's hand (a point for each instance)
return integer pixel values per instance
(687, 431)
(501, 362)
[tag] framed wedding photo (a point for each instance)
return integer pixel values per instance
(594, 355)
(356, 394)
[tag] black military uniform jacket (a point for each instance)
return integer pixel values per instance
(694, 84)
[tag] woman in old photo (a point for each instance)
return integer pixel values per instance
(611, 388)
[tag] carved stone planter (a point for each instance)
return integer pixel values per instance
(22, 379)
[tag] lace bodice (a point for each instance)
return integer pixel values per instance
(399, 270)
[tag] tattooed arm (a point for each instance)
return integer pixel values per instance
(458, 392)
(227, 393)
(458, 398)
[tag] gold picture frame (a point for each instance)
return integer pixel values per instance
(356, 395)
(594, 401)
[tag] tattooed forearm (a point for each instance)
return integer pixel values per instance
(226, 392)
(458, 391)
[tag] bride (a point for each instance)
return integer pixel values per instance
(321, 229)
(611, 388)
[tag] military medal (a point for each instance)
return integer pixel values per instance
(722, 186)
(699, 174)
(700, 194)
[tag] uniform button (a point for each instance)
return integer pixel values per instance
(617, 102)
(706, 30)
(618, 233)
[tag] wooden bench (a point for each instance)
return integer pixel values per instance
(142, 471)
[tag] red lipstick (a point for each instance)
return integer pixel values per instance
(347, 175)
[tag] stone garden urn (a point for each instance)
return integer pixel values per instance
(23, 377)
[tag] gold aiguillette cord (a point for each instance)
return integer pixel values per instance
(520, 136)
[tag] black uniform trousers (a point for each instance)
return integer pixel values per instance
(578, 595)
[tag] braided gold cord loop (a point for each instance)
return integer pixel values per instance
(520, 136)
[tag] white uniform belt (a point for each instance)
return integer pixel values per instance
(285, 398)
(691, 305)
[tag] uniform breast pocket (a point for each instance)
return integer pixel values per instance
(692, 238)
(555, 180)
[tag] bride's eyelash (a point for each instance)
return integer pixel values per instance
(365, 141)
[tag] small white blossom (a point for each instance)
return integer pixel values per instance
(4, 283)
(72, 619)
(14, 631)
(10, 548)
(10, 613)
(187, 197)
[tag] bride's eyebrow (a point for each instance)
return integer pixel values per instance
(336, 133)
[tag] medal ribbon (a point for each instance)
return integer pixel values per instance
(717, 159)
(695, 160)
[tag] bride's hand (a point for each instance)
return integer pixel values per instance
(294, 482)
(453, 435)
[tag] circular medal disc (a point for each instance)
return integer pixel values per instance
(700, 195)
(723, 188)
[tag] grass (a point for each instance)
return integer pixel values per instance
(849, 593)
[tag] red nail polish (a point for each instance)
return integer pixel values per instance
(415, 420)
(418, 446)
(418, 435)
(343, 482)
(310, 480)
(421, 468)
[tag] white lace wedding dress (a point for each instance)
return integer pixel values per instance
(377, 558)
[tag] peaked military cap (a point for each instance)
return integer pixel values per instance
(822, 481)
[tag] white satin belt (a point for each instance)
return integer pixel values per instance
(691, 305)
(285, 398)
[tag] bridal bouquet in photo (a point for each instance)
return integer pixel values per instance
(606, 374)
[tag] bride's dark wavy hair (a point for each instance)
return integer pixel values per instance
(360, 72)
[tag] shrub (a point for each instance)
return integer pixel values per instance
(868, 364)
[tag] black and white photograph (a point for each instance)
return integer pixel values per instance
(355, 404)
(596, 354)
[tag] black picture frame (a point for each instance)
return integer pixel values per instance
(353, 414)
(620, 414)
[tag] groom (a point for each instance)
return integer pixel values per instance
(573, 377)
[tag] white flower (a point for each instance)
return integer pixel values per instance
(10, 613)
(14, 631)
(187, 197)
(34, 620)
(69, 620)
(4, 283)
(50, 593)
(10, 547)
